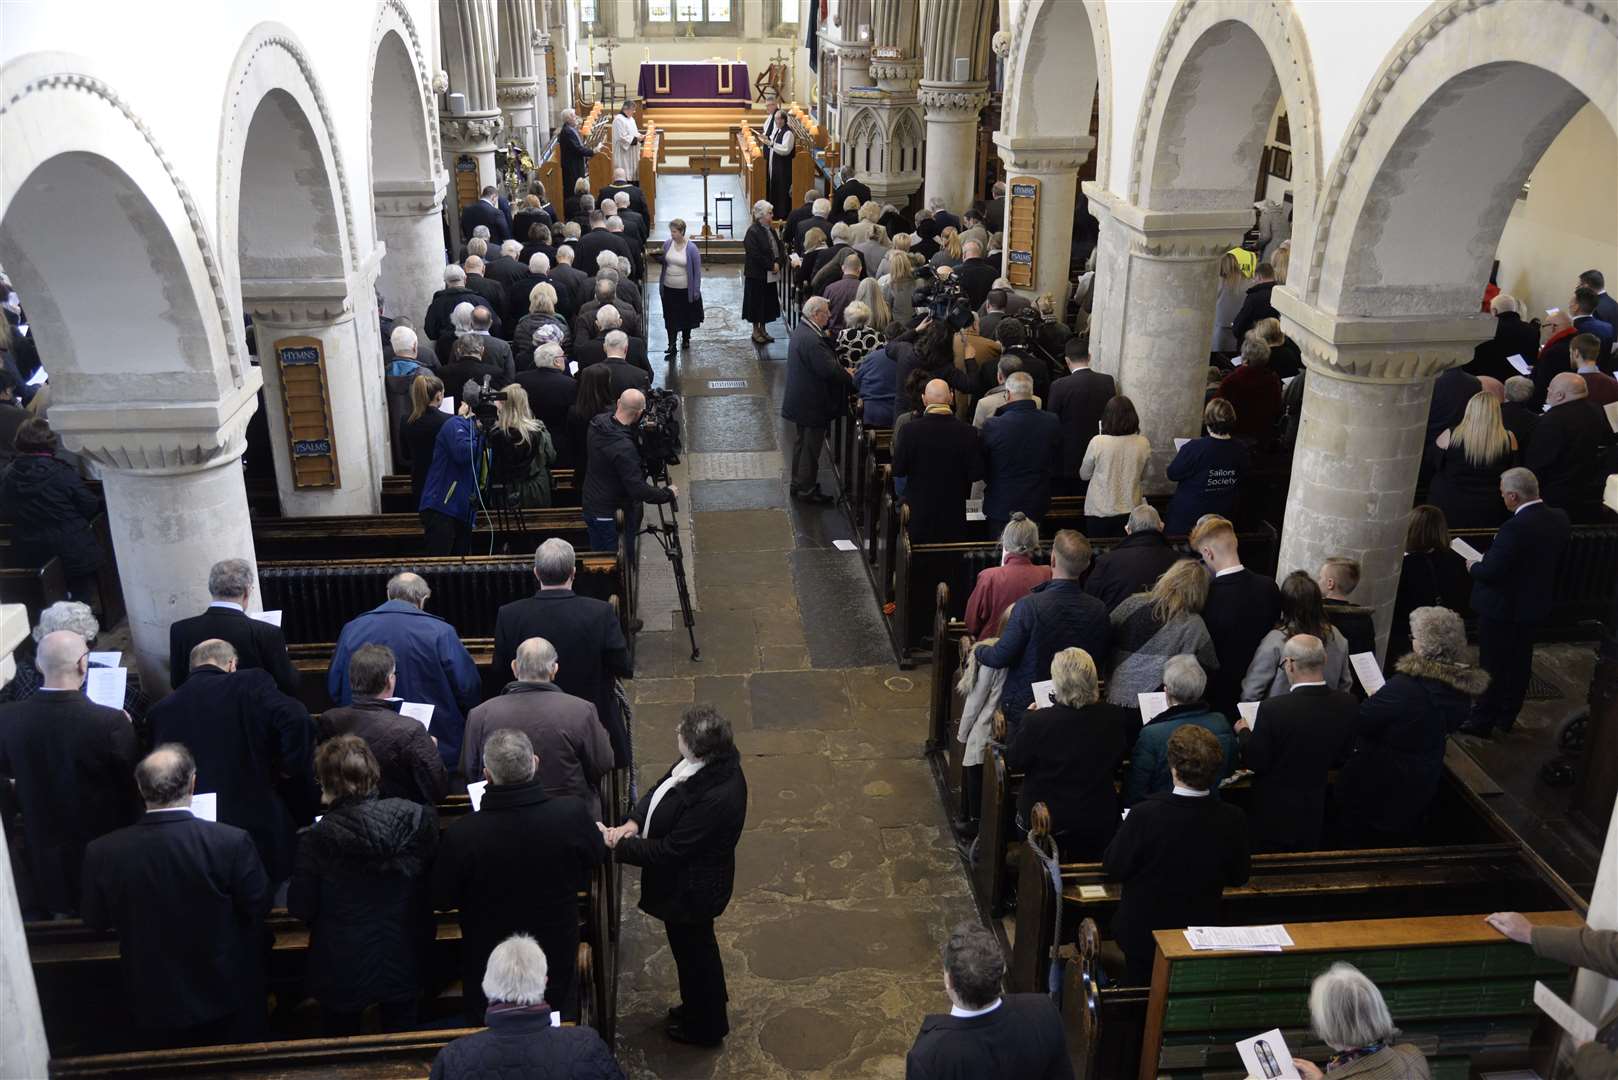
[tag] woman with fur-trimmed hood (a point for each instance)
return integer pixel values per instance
(1384, 791)
(980, 687)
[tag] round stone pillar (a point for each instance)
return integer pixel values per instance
(952, 111)
(1055, 163)
(1157, 278)
(409, 219)
(1367, 387)
(353, 363)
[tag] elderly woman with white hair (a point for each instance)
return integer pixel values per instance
(761, 305)
(1348, 1014)
(76, 616)
(1392, 775)
(519, 1039)
(1068, 753)
(999, 587)
(859, 335)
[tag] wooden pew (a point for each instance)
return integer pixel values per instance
(371, 536)
(34, 588)
(396, 497)
(109, 599)
(1458, 991)
(1586, 576)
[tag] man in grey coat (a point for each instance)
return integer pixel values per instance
(572, 744)
(816, 394)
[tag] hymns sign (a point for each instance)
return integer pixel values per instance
(306, 403)
(1022, 231)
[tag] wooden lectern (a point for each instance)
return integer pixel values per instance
(705, 163)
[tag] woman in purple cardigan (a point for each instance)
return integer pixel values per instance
(680, 286)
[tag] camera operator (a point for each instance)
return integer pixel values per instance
(448, 507)
(616, 478)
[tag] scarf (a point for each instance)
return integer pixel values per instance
(1348, 1057)
(682, 772)
(939, 410)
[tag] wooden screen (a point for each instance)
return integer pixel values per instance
(1022, 231)
(307, 406)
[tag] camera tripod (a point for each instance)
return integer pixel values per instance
(667, 534)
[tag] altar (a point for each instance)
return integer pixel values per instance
(717, 83)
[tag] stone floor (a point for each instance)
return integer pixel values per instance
(846, 879)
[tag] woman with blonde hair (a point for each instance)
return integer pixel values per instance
(1466, 484)
(1068, 754)
(528, 334)
(521, 451)
(902, 243)
(419, 432)
(1286, 360)
(1150, 627)
(899, 286)
(869, 293)
(949, 248)
(1232, 291)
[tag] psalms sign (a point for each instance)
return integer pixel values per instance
(1022, 231)
(306, 405)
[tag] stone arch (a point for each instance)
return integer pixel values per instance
(84, 173)
(397, 59)
(865, 137)
(1210, 96)
(1418, 197)
(1060, 61)
(907, 140)
(273, 88)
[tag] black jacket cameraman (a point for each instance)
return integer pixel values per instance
(615, 479)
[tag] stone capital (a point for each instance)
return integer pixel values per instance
(892, 73)
(1043, 153)
(161, 439)
(953, 100)
(409, 199)
(1379, 350)
(475, 132)
(516, 91)
(851, 52)
(1164, 234)
(297, 302)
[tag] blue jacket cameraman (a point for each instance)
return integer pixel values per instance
(615, 480)
(448, 507)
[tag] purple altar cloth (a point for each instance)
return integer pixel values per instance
(695, 83)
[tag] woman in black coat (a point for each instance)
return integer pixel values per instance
(683, 835)
(360, 882)
(51, 509)
(1432, 575)
(419, 432)
(1069, 754)
(761, 304)
(1393, 772)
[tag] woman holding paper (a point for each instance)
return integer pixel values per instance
(1473, 454)
(1303, 611)
(1347, 1012)
(359, 882)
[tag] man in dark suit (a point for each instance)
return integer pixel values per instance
(1513, 336)
(486, 211)
(516, 867)
(1021, 448)
(1567, 448)
(445, 301)
(492, 292)
(597, 240)
(936, 460)
(1256, 305)
(1078, 399)
(1136, 562)
(69, 761)
(1176, 852)
(572, 284)
(551, 393)
(1242, 607)
(987, 1035)
(631, 354)
(817, 391)
(503, 266)
(621, 184)
(851, 185)
(588, 324)
(188, 899)
(977, 274)
(1582, 308)
(799, 215)
(258, 644)
(1518, 413)
(1512, 588)
(1297, 738)
(254, 748)
(1606, 306)
(406, 754)
(818, 218)
(589, 641)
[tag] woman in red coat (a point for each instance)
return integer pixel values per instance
(1255, 390)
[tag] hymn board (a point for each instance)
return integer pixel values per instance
(306, 403)
(1022, 230)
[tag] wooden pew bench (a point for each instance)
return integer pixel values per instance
(35, 588)
(1586, 576)
(371, 536)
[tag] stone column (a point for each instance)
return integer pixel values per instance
(952, 139)
(515, 86)
(23, 1049)
(408, 218)
(1367, 388)
(326, 310)
(470, 44)
(1157, 281)
(13, 630)
(542, 93)
(1055, 163)
(176, 504)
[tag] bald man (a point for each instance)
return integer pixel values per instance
(567, 733)
(1567, 448)
(70, 761)
(616, 482)
(432, 667)
(937, 457)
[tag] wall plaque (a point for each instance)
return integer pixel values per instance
(1022, 231)
(306, 404)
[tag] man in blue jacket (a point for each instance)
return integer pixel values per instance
(1511, 594)
(1055, 616)
(1021, 447)
(431, 665)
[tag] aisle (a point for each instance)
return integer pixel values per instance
(846, 881)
